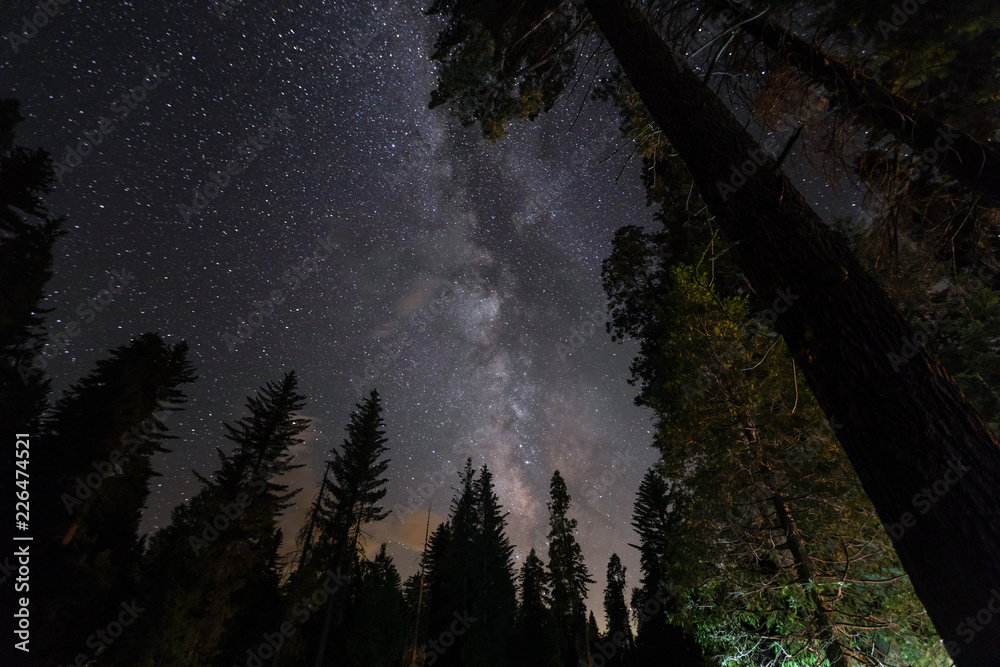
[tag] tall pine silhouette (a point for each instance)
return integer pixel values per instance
(569, 576)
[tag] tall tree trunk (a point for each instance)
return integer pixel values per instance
(907, 429)
(974, 163)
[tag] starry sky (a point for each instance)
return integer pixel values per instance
(460, 278)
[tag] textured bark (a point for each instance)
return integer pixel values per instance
(906, 427)
(974, 163)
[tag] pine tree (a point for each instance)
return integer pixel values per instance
(28, 232)
(355, 490)
(223, 544)
(376, 619)
(94, 470)
(537, 636)
(755, 527)
(651, 602)
(494, 602)
(568, 575)
(616, 612)
(502, 61)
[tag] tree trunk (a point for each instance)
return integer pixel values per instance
(803, 569)
(926, 459)
(974, 163)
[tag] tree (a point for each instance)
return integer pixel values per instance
(28, 232)
(223, 544)
(903, 431)
(616, 612)
(470, 579)
(568, 576)
(94, 469)
(766, 521)
(654, 598)
(536, 632)
(974, 163)
(376, 620)
(352, 503)
(490, 640)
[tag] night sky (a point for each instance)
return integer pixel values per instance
(453, 274)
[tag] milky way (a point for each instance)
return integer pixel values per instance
(459, 278)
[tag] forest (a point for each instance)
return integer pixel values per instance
(824, 394)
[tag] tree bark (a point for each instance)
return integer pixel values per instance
(928, 462)
(803, 570)
(976, 164)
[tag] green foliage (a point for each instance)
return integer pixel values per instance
(738, 430)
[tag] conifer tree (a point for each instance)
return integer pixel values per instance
(903, 428)
(28, 232)
(616, 612)
(223, 544)
(94, 469)
(568, 575)
(536, 632)
(354, 492)
(376, 620)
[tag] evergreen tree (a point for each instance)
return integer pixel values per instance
(494, 602)
(94, 470)
(469, 574)
(653, 599)
(376, 620)
(28, 232)
(616, 612)
(223, 544)
(354, 491)
(568, 575)
(763, 515)
(537, 636)
(831, 308)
